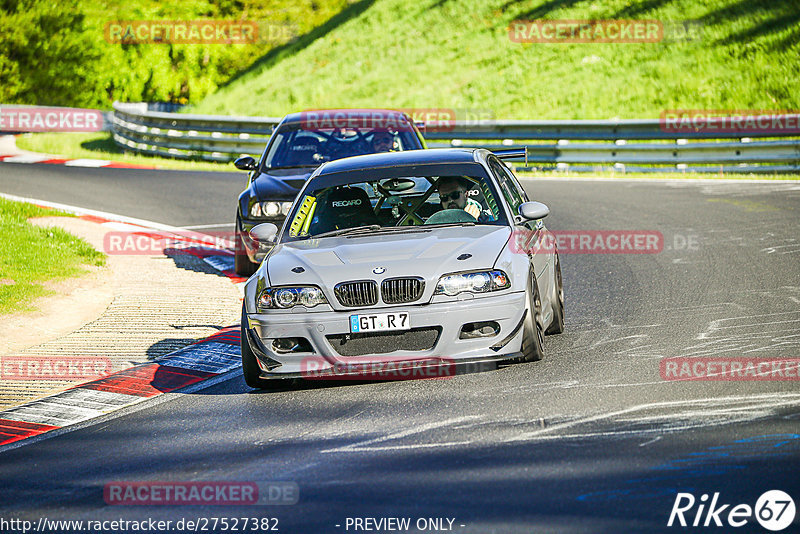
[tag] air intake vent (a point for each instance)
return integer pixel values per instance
(416, 339)
(358, 293)
(400, 290)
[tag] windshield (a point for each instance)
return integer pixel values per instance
(388, 204)
(295, 146)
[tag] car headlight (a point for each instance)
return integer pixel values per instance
(281, 298)
(269, 209)
(474, 282)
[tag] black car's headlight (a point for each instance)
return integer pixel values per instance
(260, 210)
(474, 282)
(281, 298)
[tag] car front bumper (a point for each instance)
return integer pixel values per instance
(328, 333)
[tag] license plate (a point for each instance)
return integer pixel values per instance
(378, 322)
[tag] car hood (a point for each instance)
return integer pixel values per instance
(281, 182)
(427, 253)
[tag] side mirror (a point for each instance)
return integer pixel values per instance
(264, 232)
(245, 163)
(533, 210)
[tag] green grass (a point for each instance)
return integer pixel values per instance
(30, 255)
(99, 145)
(457, 55)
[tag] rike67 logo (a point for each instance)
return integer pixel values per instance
(774, 510)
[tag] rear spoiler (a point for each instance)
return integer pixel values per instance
(512, 153)
(509, 153)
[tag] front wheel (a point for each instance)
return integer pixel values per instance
(557, 326)
(532, 332)
(251, 370)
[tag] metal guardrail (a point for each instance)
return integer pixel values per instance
(181, 135)
(575, 146)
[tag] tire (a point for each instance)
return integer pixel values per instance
(557, 326)
(241, 263)
(251, 370)
(532, 331)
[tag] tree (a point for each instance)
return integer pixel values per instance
(45, 58)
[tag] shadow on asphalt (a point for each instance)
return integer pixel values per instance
(187, 260)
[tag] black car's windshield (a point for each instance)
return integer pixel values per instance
(372, 205)
(295, 145)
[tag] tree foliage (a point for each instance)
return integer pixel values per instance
(44, 58)
(56, 53)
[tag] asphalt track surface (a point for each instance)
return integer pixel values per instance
(591, 439)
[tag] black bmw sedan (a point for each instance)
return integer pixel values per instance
(300, 143)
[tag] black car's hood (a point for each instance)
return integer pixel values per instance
(281, 182)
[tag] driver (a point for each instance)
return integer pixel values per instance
(382, 142)
(453, 195)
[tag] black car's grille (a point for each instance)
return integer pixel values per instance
(416, 339)
(400, 290)
(359, 293)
